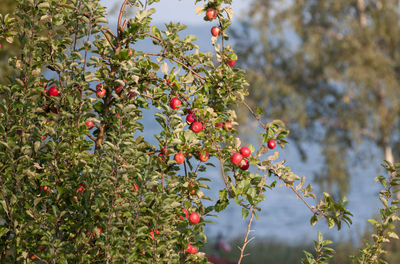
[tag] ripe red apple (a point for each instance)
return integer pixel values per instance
(215, 31)
(245, 151)
(245, 166)
(271, 144)
(190, 118)
(175, 103)
(152, 235)
(194, 218)
(191, 249)
(186, 214)
(228, 126)
(81, 189)
(101, 93)
(179, 158)
(220, 124)
(53, 91)
(161, 157)
(100, 230)
(164, 151)
(130, 52)
(89, 124)
(231, 63)
(135, 187)
(197, 127)
(203, 156)
(211, 14)
(119, 89)
(237, 158)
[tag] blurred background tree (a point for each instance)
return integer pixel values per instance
(6, 7)
(329, 69)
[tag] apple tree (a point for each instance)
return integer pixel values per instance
(80, 183)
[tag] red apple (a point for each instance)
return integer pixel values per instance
(152, 235)
(220, 124)
(211, 14)
(161, 157)
(191, 249)
(119, 89)
(237, 158)
(190, 118)
(99, 86)
(135, 187)
(197, 127)
(186, 214)
(271, 144)
(101, 93)
(228, 126)
(215, 31)
(81, 189)
(194, 218)
(204, 156)
(245, 151)
(53, 91)
(130, 52)
(179, 158)
(231, 63)
(89, 124)
(175, 103)
(245, 166)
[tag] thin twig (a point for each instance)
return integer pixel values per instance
(108, 38)
(254, 114)
(246, 238)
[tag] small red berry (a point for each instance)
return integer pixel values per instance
(271, 144)
(197, 127)
(245, 166)
(179, 158)
(190, 118)
(53, 91)
(215, 31)
(194, 218)
(237, 158)
(245, 151)
(175, 103)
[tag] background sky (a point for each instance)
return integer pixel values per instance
(179, 10)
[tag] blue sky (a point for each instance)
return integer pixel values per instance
(181, 10)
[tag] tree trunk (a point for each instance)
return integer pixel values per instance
(361, 11)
